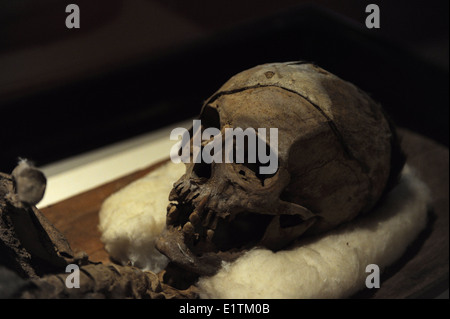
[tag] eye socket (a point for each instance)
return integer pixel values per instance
(210, 117)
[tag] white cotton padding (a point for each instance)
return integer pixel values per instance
(132, 218)
(332, 265)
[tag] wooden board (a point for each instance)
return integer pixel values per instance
(77, 216)
(421, 273)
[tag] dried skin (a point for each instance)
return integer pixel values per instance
(35, 250)
(29, 243)
(106, 281)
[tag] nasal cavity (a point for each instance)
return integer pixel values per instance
(202, 170)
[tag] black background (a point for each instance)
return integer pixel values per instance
(403, 65)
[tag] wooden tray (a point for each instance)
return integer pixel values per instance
(421, 273)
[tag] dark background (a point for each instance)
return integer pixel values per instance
(137, 65)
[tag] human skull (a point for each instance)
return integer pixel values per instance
(334, 162)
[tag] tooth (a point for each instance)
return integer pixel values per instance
(208, 218)
(201, 205)
(173, 194)
(171, 206)
(184, 191)
(177, 184)
(190, 197)
(209, 234)
(172, 214)
(188, 228)
(214, 222)
(194, 218)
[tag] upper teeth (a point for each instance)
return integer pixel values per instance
(194, 218)
(188, 228)
(172, 214)
(209, 234)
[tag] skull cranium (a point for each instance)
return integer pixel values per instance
(334, 162)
